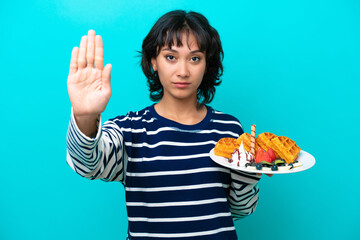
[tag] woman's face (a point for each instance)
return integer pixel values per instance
(180, 69)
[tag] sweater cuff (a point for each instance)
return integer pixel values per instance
(245, 177)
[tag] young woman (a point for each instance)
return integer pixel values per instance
(161, 153)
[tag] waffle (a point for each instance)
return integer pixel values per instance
(246, 139)
(264, 141)
(225, 146)
(286, 148)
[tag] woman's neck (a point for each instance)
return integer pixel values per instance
(184, 112)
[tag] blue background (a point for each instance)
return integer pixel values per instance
(291, 68)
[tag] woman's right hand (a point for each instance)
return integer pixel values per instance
(89, 81)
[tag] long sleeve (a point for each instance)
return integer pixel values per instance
(243, 194)
(102, 157)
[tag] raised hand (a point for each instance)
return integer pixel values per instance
(89, 81)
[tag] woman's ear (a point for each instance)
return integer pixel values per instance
(153, 63)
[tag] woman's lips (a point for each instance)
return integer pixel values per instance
(181, 84)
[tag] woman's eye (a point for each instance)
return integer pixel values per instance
(195, 59)
(170, 57)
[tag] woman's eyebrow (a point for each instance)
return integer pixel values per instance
(196, 51)
(169, 49)
(172, 50)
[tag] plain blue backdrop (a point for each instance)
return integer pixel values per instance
(291, 68)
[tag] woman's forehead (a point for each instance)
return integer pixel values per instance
(186, 39)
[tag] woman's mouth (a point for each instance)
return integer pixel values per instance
(181, 84)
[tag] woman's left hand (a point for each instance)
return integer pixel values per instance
(269, 175)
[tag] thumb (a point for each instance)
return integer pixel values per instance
(106, 76)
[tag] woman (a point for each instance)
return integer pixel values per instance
(161, 153)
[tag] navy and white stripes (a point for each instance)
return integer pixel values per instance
(173, 189)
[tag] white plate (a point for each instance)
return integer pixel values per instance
(305, 158)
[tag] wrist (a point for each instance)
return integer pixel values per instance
(86, 118)
(88, 124)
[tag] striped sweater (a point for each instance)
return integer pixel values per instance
(173, 188)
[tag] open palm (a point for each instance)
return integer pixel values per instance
(89, 81)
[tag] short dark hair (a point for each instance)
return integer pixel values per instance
(169, 28)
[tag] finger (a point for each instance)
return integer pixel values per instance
(73, 61)
(269, 175)
(99, 53)
(90, 54)
(82, 53)
(106, 76)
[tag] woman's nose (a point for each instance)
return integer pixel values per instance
(183, 69)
